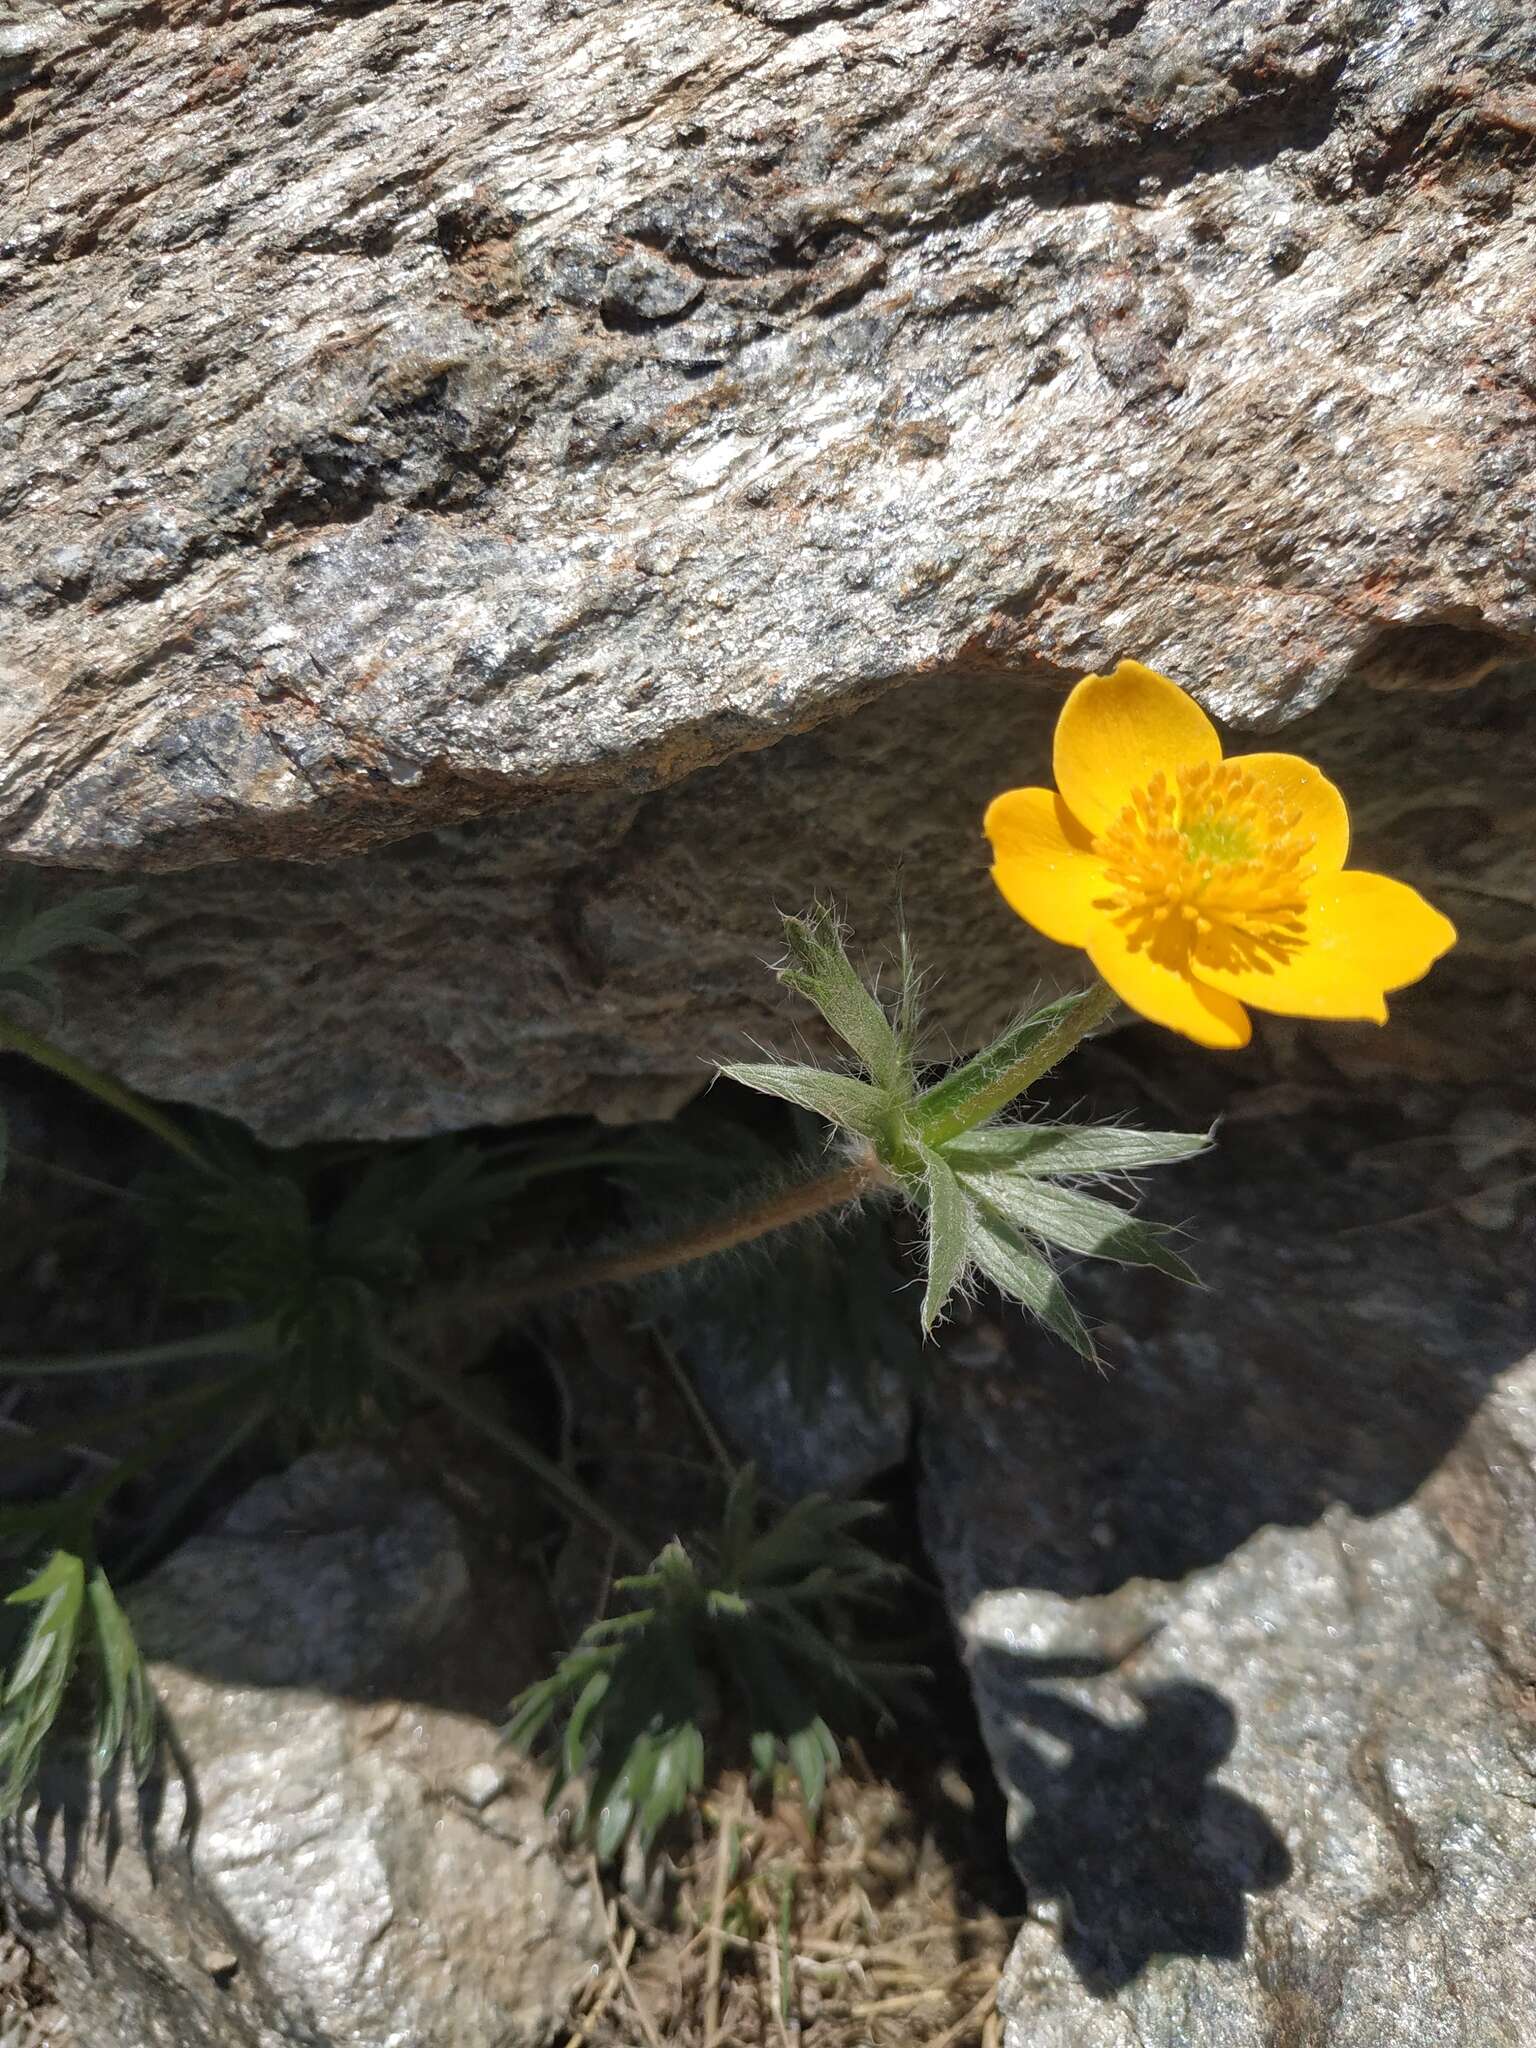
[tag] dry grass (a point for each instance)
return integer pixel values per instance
(764, 1934)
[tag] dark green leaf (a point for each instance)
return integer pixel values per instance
(34, 1690)
(32, 934)
(613, 1819)
(574, 1747)
(813, 1753)
(128, 1715)
(762, 1618)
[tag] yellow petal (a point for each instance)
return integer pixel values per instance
(1307, 790)
(1363, 935)
(1115, 733)
(1042, 865)
(1164, 990)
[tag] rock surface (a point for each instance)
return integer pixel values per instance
(359, 1867)
(1249, 1618)
(546, 416)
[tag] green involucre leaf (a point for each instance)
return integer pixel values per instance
(1065, 1150)
(1020, 1272)
(950, 1224)
(987, 1083)
(840, 1098)
(1078, 1223)
(819, 969)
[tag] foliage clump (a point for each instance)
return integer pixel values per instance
(754, 1627)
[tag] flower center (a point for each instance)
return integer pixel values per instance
(1216, 856)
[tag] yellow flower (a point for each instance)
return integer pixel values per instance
(1195, 884)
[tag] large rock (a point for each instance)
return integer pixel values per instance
(360, 1866)
(422, 414)
(1249, 1619)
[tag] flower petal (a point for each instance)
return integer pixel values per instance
(1167, 993)
(1364, 935)
(1115, 733)
(1042, 865)
(1306, 789)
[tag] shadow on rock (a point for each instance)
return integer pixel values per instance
(1334, 1354)
(1141, 1852)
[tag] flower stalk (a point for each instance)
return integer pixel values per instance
(796, 1204)
(1009, 1068)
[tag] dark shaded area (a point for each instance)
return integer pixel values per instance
(1351, 1319)
(1143, 1853)
(941, 1761)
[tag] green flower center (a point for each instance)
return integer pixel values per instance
(1215, 838)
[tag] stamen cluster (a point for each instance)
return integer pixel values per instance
(1220, 848)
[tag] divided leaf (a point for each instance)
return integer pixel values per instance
(758, 1624)
(1065, 1150)
(128, 1716)
(1079, 1223)
(34, 1691)
(30, 937)
(840, 1098)
(950, 1224)
(1016, 1269)
(819, 969)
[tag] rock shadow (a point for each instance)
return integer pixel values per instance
(1349, 1325)
(1129, 1836)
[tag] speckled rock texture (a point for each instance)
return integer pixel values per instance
(1249, 1617)
(358, 1864)
(518, 440)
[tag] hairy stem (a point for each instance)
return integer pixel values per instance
(102, 1086)
(791, 1205)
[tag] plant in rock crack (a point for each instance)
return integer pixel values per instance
(1196, 886)
(74, 1617)
(752, 1625)
(312, 1255)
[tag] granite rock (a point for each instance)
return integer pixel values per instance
(344, 1856)
(583, 472)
